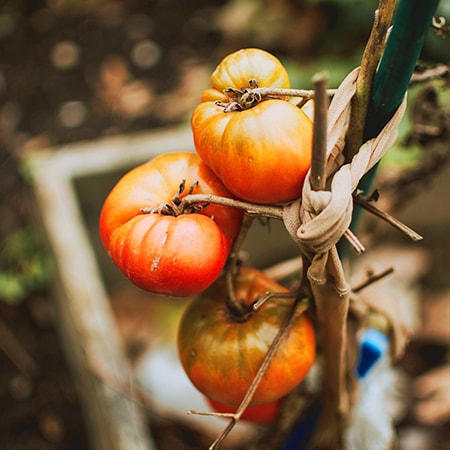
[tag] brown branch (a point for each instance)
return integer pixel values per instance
(319, 153)
(353, 240)
(371, 57)
(269, 295)
(372, 278)
(368, 206)
(306, 93)
(230, 268)
(252, 209)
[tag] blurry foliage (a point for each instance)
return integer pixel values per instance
(409, 150)
(24, 266)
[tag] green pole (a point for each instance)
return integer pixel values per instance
(410, 25)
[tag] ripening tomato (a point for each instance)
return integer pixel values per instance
(172, 252)
(237, 69)
(221, 354)
(256, 414)
(259, 147)
(261, 154)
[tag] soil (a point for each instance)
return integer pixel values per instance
(71, 72)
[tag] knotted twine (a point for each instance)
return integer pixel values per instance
(316, 222)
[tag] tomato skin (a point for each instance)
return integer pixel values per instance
(238, 68)
(221, 357)
(261, 154)
(256, 414)
(166, 254)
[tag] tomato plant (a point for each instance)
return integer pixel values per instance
(170, 251)
(259, 147)
(222, 353)
(256, 414)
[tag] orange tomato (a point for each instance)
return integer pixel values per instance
(221, 355)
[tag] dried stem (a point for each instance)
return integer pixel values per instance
(233, 259)
(354, 241)
(306, 93)
(368, 206)
(269, 295)
(319, 153)
(370, 59)
(298, 307)
(252, 209)
(372, 278)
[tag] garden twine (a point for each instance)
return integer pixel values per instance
(318, 220)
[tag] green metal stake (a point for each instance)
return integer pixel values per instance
(410, 25)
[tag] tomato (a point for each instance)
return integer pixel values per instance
(261, 154)
(256, 414)
(171, 253)
(221, 355)
(238, 68)
(259, 147)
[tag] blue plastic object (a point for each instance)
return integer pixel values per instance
(373, 346)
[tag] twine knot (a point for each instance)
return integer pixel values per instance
(318, 220)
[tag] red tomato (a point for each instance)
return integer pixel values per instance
(221, 355)
(170, 254)
(255, 414)
(261, 150)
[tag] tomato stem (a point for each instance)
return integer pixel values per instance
(269, 295)
(368, 205)
(252, 209)
(242, 99)
(317, 176)
(236, 309)
(372, 278)
(371, 57)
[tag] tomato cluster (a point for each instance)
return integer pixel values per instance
(261, 150)
(249, 146)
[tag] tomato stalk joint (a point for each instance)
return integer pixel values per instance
(176, 206)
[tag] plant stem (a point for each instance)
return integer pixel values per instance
(252, 209)
(370, 59)
(319, 152)
(266, 92)
(372, 278)
(412, 20)
(368, 206)
(230, 268)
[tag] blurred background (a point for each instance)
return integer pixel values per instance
(74, 70)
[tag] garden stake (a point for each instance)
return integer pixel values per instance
(411, 22)
(412, 18)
